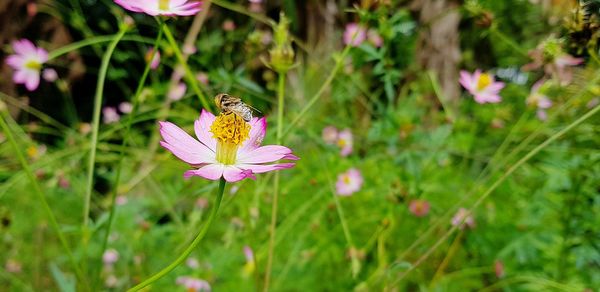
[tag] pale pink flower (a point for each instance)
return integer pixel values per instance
(539, 100)
(13, 266)
(349, 182)
(125, 107)
(153, 58)
(192, 284)
(227, 147)
(111, 281)
(27, 63)
(177, 91)
(482, 86)
(563, 70)
(419, 208)
(192, 263)
(330, 135)
(499, 269)
(228, 25)
(250, 265)
(374, 38)
(110, 115)
(202, 77)
(110, 257)
(121, 200)
(355, 34)
(463, 217)
(162, 7)
(189, 49)
(344, 141)
(49, 75)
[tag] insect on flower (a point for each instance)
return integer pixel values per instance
(231, 104)
(227, 146)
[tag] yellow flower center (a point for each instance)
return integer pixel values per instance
(32, 64)
(346, 179)
(231, 131)
(484, 81)
(163, 4)
(342, 142)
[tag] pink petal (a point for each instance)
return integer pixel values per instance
(262, 168)
(20, 76)
(264, 154)
(466, 80)
(234, 174)
(210, 171)
(24, 47)
(202, 129)
(15, 61)
(33, 80)
(184, 146)
(257, 134)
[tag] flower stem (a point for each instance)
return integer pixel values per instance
(95, 126)
(188, 73)
(136, 102)
(192, 245)
(279, 137)
(42, 198)
(92, 41)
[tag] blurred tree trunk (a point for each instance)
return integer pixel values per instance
(438, 45)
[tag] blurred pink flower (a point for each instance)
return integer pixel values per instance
(153, 58)
(189, 49)
(13, 266)
(344, 141)
(110, 115)
(557, 65)
(482, 86)
(349, 182)
(125, 107)
(27, 63)
(539, 100)
(593, 102)
(110, 257)
(375, 38)
(250, 265)
(330, 134)
(162, 7)
(49, 75)
(192, 263)
(121, 200)
(419, 208)
(499, 269)
(111, 281)
(355, 34)
(192, 284)
(202, 77)
(227, 146)
(228, 25)
(462, 218)
(177, 91)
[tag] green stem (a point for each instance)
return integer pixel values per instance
(136, 102)
(41, 197)
(279, 137)
(96, 125)
(91, 41)
(497, 183)
(191, 247)
(188, 73)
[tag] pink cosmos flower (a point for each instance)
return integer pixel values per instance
(177, 92)
(482, 86)
(110, 257)
(330, 134)
(375, 38)
(27, 63)
(355, 34)
(155, 61)
(202, 77)
(558, 65)
(539, 100)
(344, 141)
(110, 115)
(349, 182)
(227, 147)
(192, 284)
(462, 218)
(162, 7)
(419, 208)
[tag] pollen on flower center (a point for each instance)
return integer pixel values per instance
(33, 64)
(231, 131)
(163, 4)
(484, 81)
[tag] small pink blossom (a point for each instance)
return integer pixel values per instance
(121, 200)
(27, 63)
(419, 208)
(192, 284)
(349, 182)
(593, 102)
(177, 91)
(214, 158)
(153, 58)
(111, 281)
(162, 7)
(192, 263)
(344, 141)
(539, 100)
(482, 86)
(49, 75)
(189, 49)
(13, 266)
(110, 257)
(463, 217)
(125, 107)
(202, 77)
(110, 115)
(499, 269)
(330, 135)
(355, 34)
(375, 38)
(228, 25)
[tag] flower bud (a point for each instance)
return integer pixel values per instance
(282, 54)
